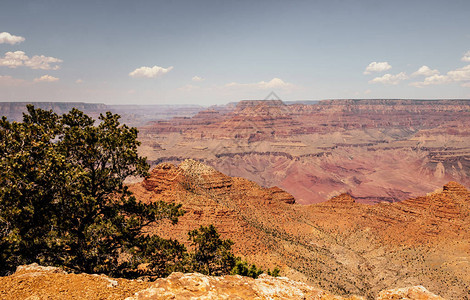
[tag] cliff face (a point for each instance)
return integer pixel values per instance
(36, 282)
(340, 245)
(327, 116)
(376, 150)
(436, 217)
(210, 197)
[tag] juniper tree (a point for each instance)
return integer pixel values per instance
(63, 200)
(212, 255)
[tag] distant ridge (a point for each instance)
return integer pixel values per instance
(134, 115)
(395, 101)
(252, 103)
(14, 110)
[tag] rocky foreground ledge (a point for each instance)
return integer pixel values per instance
(34, 282)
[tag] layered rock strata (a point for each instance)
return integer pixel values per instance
(340, 245)
(376, 150)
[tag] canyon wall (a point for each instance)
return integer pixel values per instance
(376, 150)
(340, 245)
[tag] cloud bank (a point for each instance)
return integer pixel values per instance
(431, 77)
(460, 75)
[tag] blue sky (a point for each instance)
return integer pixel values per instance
(214, 52)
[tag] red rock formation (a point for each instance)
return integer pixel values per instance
(339, 245)
(376, 150)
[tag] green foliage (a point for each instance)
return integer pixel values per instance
(63, 200)
(244, 269)
(157, 257)
(212, 255)
(275, 272)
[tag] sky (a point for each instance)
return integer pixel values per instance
(214, 52)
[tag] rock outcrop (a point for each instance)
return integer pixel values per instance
(198, 286)
(408, 293)
(35, 282)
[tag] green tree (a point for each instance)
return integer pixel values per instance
(63, 200)
(243, 268)
(212, 255)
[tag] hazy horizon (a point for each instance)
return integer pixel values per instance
(216, 52)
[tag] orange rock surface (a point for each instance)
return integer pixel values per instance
(37, 282)
(340, 245)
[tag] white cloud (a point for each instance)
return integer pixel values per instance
(43, 62)
(425, 71)
(390, 79)
(461, 74)
(13, 59)
(275, 83)
(19, 58)
(466, 56)
(367, 92)
(79, 80)
(46, 78)
(197, 79)
(377, 67)
(431, 80)
(458, 75)
(148, 72)
(7, 38)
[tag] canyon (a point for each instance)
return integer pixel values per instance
(341, 245)
(376, 150)
(337, 249)
(351, 197)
